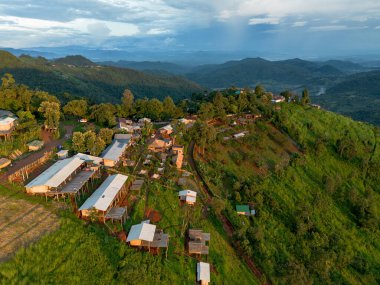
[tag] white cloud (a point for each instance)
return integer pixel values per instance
(299, 24)
(259, 21)
(337, 28)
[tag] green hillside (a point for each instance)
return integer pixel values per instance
(81, 78)
(317, 204)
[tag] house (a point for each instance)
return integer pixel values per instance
(187, 122)
(148, 236)
(137, 185)
(106, 197)
(62, 154)
(278, 99)
(124, 124)
(35, 145)
(198, 242)
(160, 145)
(166, 131)
(203, 273)
(7, 123)
(178, 160)
(4, 162)
(56, 176)
(187, 196)
(144, 121)
(83, 120)
(243, 210)
(239, 135)
(113, 153)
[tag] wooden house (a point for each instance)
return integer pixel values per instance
(7, 123)
(159, 145)
(166, 130)
(114, 152)
(147, 236)
(35, 145)
(62, 154)
(198, 242)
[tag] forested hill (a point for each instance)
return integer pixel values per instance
(80, 77)
(357, 96)
(250, 71)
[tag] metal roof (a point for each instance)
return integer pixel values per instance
(242, 208)
(102, 198)
(187, 193)
(142, 231)
(203, 271)
(57, 173)
(6, 120)
(115, 150)
(87, 157)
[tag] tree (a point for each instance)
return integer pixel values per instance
(259, 90)
(127, 103)
(104, 114)
(51, 112)
(106, 135)
(76, 108)
(170, 110)
(305, 97)
(154, 109)
(78, 142)
(286, 94)
(206, 111)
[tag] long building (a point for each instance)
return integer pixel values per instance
(56, 176)
(113, 153)
(105, 197)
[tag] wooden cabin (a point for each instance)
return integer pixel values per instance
(198, 242)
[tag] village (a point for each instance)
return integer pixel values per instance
(104, 188)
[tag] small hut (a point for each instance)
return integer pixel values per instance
(203, 273)
(187, 196)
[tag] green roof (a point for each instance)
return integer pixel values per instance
(242, 208)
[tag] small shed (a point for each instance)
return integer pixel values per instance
(137, 185)
(243, 210)
(141, 232)
(239, 135)
(62, 154)
(187, 196)
(35, 145)
(203, 273)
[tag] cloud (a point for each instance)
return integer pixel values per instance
(299, 24)
(260, 21)
(337, 28)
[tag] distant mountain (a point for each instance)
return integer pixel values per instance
(275, 75)
(78, 76)
(76, 60)
(357, 96)
(155, 67)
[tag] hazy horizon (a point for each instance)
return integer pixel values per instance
(272, 29)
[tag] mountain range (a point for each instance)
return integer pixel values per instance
(81, 77)
(340, 86)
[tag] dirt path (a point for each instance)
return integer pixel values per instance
(228, 228)
(50, 144)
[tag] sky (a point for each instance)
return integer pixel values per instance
(312, 28)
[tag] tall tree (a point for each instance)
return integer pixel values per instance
(76, 108)
(305, 97)
(106, 135)
(104, 114)
(51, 112)
(127, 103)
(170, 110)
(78, 142)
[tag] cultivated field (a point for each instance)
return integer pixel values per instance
(21, 223)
